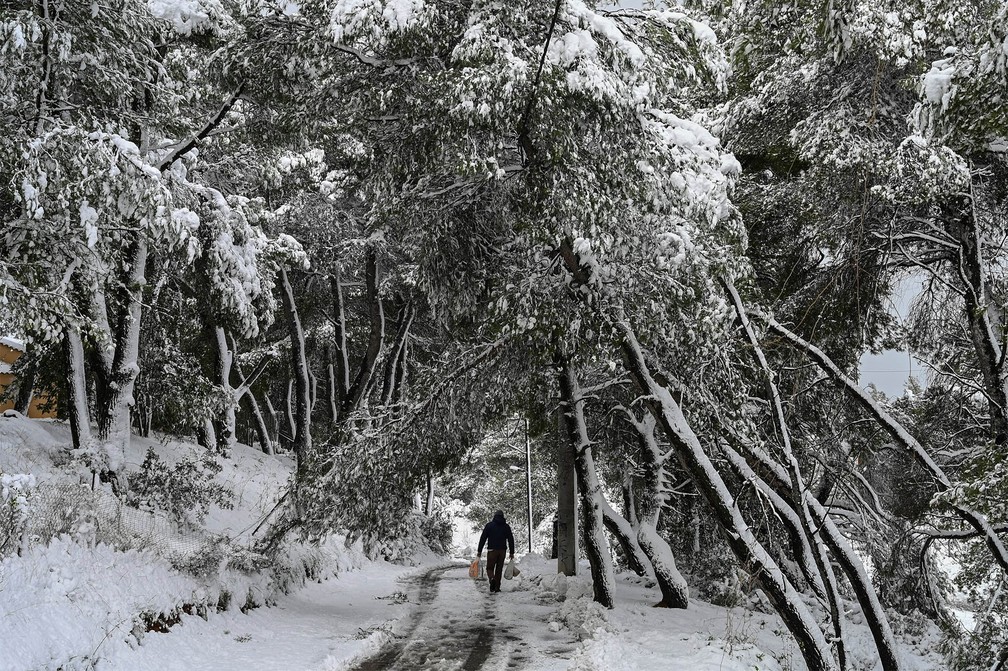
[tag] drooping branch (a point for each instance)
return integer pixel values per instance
(179, 150)
(897, 431)
(785, 598)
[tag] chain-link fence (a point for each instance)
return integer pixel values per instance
(48, 510)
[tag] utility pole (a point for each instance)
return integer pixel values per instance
(528, 481)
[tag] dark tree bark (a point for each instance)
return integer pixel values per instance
(26, 381)
(376, 311)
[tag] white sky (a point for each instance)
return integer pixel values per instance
(889, 370)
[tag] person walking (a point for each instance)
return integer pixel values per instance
(497, 537)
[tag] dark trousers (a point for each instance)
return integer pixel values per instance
(495, 568)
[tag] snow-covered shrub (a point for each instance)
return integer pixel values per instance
(14, 498)
(437, 531)
(418, 534)
(185, 490)
(206, 561)
(723, 591)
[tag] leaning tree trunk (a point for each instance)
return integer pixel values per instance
(262, 431)
(674, 590)
(746, 547)
(842, 551)
(624, 529)
(898, 433)
(626, 535)
(589, 488)
(800, 495)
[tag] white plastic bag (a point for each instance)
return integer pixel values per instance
(510, 571)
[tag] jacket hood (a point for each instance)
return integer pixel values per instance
(498, 516)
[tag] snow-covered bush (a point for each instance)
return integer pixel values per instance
(437, 531)
(185, 490)
(418, 534)
(14, 494)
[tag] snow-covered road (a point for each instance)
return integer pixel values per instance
(458, 625)
(380, 617)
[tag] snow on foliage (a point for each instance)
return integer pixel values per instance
(71, 227)
(189, 17)
(363, 19)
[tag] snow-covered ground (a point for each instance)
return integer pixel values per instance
(71, 604)
(320, 625)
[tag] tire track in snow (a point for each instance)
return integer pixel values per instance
(451, 629)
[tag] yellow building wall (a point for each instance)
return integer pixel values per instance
(9, 355)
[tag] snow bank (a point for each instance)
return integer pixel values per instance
(84, 598)
(63, 605)
(635, 651)
(26, 447)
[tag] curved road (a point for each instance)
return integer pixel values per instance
(454, 627)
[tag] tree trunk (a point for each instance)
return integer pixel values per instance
(117, 366)
(77, 410)
(800, 494)
(982, 316)
(206, 435)
(357, 393)
(750, 552)
(226, 437)
(429, 510)
(299, 366)
(26, 381)
(844, 554)
(262, 432)
(625, 534)
(274, 418)
(397, 353)
(898, 432)
(674, 590)
(291, 423)
(342, 374)
(331, 391)
(566, 517)
(589, 488)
